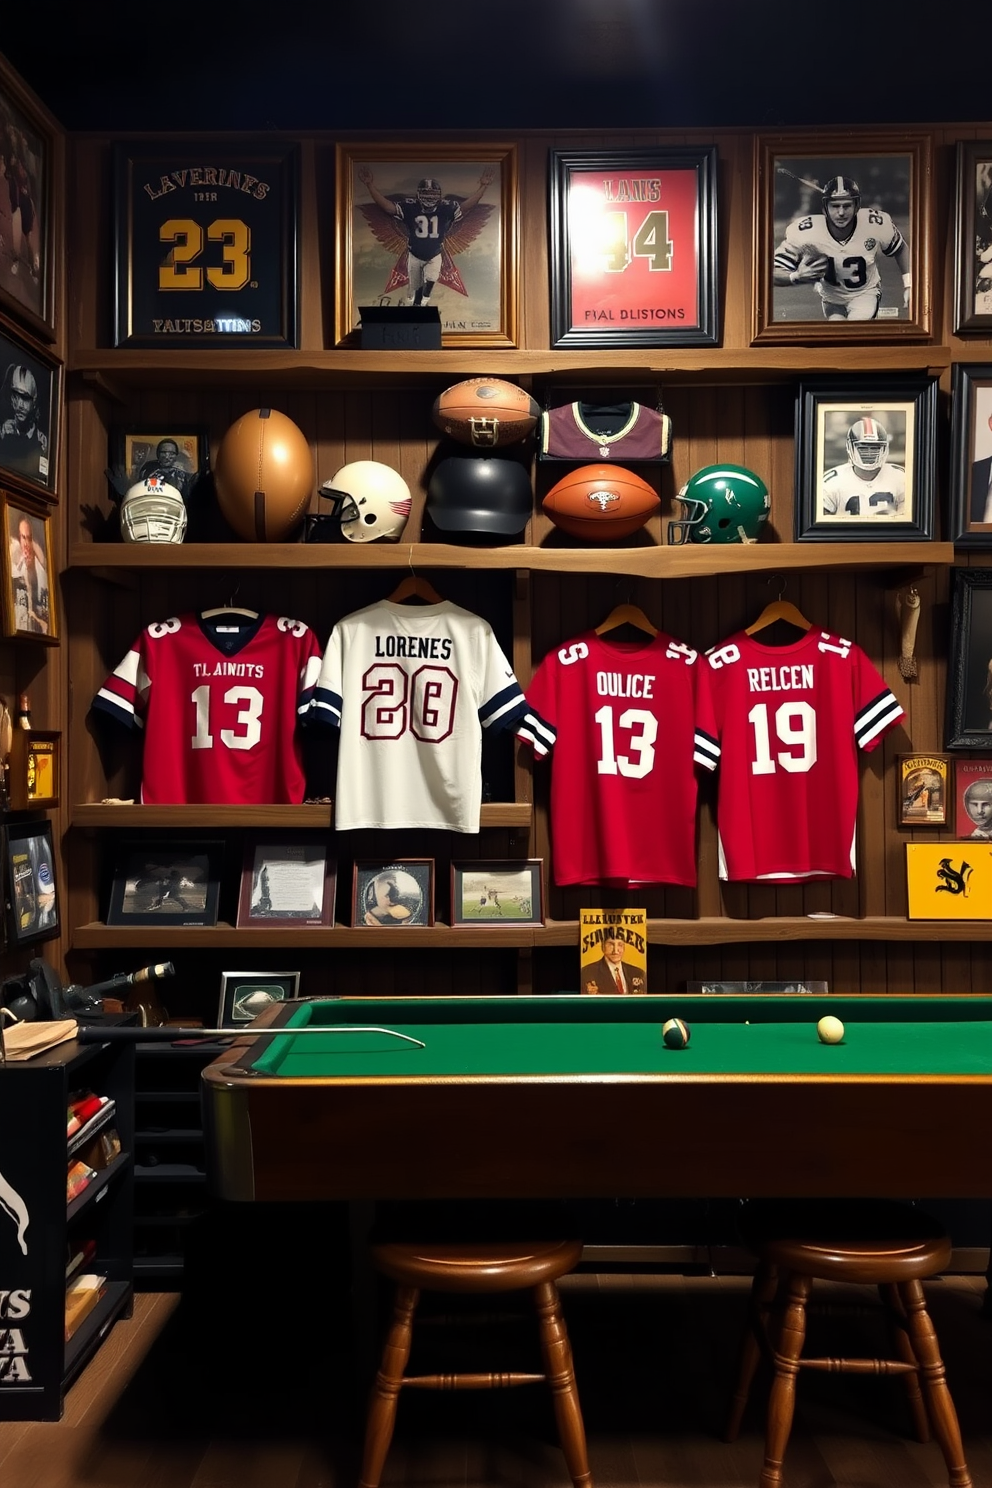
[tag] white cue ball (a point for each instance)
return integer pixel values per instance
(830, 1030)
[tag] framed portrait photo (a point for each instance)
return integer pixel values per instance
(841, 238)
(970, 494)
(31, 891)
(973, 799)
(865, 459)
(634, 247)
(27, 209)
(501, 892)
(429, 225)
(969, 668)
(286, 880)
(29, 588)
(175, 883)
(245, 994)
(924, 790)
(973, 238)
(179, 456)
(206, 243)
(30, 415)
(391, 896)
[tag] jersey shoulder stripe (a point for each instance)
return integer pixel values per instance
(326, 706)
(875, 717)
(503, 710)
(109, 700)
(533, 730)
(706, 750)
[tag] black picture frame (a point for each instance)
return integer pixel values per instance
(828, 507)
(498, 891)
(656, 207)
(31, 896)
(27, 257)
(245, 994)
(973, 238)
(206, 243)
(287, 879)
(969, 695)
(969, 508)
(31, 403)
(170, 883)
(393, 895)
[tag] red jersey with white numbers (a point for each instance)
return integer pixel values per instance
(218, 699)
(785, 724)
(620, 718)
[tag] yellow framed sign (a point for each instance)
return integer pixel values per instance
(949, 880)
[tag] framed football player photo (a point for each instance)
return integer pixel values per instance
(174, 883)
(29, 588)
(841, 238)
(970, 495)
(865, 459)
(29, 147)
(421, 225)
(634, 247)
(973, 238)
(393, 896)
(179, 456)
(969, 667)
(30, 409)
(501, 892)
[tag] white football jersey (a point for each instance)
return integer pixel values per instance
(852, 263)
(845, 494)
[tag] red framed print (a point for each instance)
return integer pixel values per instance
(634, 247)
(973, 799)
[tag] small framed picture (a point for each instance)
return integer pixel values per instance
(33, 769)
(973, 799)
(287, 879)
(31, 891)
(30, 416)
(923, 790)
(390, 895)
(970, 503)
(969, 667)
(500, 892)
(245, 994)
(179, 456)
(27, 209)
(177, 883)
(865, 459)
(973, 238)
(29, 607)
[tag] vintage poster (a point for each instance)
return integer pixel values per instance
(613, 952)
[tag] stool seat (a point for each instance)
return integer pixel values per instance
(868, 1242)
(501, 1266)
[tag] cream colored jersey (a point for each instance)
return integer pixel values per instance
(845, 494)
(853, 269)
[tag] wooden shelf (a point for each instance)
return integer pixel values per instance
(138, 818)
(99, 937)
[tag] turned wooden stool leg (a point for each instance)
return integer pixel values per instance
(557, 1353)
(943, 1416)
(386, 1390)
(787, 1345)
(893, 1302)
(763, 1289)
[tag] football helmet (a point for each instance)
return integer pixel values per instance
(839, 187)
(428, 193)
(721, 504)
(867, 444)
(480, 493)
(370, 500)
(153, 511)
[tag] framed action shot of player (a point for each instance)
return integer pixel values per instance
(924, 788)
(841, 238)
(179, 456)
(30, 414)
(973, 238)
(29, 607)
(503, 892)
(393, 895)
(245, 994)
(30, 889)
(206, 243)
(177, 883)
(634, 247)
(865, 459)
(970, 494)
(969, 667)
(287, 880)
(29, 146)
(429, 225)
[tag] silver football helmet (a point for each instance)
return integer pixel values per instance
(153, 512)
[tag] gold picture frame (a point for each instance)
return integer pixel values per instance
(29, 590)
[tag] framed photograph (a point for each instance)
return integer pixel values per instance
(27, 209)
(973, 799)
(970, 496)
(841, 238)
(31, 893)
(29, 607)
(206, 243)
(865, 459)
(973, 238)
(34, 769)
(634, 247)
(30, 415)
(390, 895)
(924, 790)
(969, 667)
(179, 456)
(287, 879)
(500, 892)
(245, 994)
(429, 225)
(175, 883)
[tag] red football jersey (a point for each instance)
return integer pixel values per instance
(785, 724)
(218, 700)
(621, 719)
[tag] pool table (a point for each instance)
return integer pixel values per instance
(572, 1097)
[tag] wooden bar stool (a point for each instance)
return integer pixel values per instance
(886, 1244)
(476, 1268)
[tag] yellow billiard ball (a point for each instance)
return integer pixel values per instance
(830, 1030)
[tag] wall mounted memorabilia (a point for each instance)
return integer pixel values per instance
(923, 790)
(286, 880)
(206, 246)
(30, 411)
(865, 459)
(628, 425)
(392, 895)
(969, 667)
(27, 211)
(29, 605)
(634, 247)
(970, 501)
(973, 238)
(973, 799)
(34, 769)
(245, 994)
(177, 883)
(30, 888)
(841, 238)
(429, 225)
(949, 880)
(500, 892)
(179, 456)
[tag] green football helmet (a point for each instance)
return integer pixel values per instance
(721, 504)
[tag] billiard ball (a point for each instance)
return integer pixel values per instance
(830, 1030)
(675, 1033)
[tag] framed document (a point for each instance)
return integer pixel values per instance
(287, 879)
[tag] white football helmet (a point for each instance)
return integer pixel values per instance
(867, 444)
(371, 500)
(153, 511)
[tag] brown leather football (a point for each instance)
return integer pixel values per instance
(485, 412)
(601, 503)
(264, 475)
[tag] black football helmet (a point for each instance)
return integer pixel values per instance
(480, 493)
(428, 193)
(839, 187)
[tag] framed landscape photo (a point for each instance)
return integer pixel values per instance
(865, 459)
(501, 892)
(973, 799)
(432, 224)
(175, 883)
(27, 209)
(287, 880)
(969, 669)
(634, 247)
(30, 415)
(924, 790)
(206, 243)
(245, 994)
(973, 238)
(29, 589)
(31, 891)
(393, 895)
(970, 496)
(841, 238)
(179, 456)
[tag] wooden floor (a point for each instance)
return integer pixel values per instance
(247, 1393)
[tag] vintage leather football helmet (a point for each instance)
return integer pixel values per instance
(721, 504)
(369, 499)
(867, 444)
(153, 511)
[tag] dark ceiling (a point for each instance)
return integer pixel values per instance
(508, 64)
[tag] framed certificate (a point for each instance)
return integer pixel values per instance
(287, 879)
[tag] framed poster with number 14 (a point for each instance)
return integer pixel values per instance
(633, 247)
(206, 244)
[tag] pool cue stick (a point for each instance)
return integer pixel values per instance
(93, 1033)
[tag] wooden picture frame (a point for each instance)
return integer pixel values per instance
(27, 210)
(502, 891)
(287, 879)
(973, 238)
(923, 793)
(893, 176)
(30, 605)
(844, 423)
(30, 415)
(970, 492)
(206, 243)
(172, 883)
(31, 885)
(393, 895)
(973, 799)
(34, 769)
(378, 193)
(179, 455)
(245, 994)
(969, 667)
(634, 247)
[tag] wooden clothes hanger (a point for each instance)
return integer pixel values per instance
(414, 587)
(779, 609)
(626, 614)
(229, 610)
